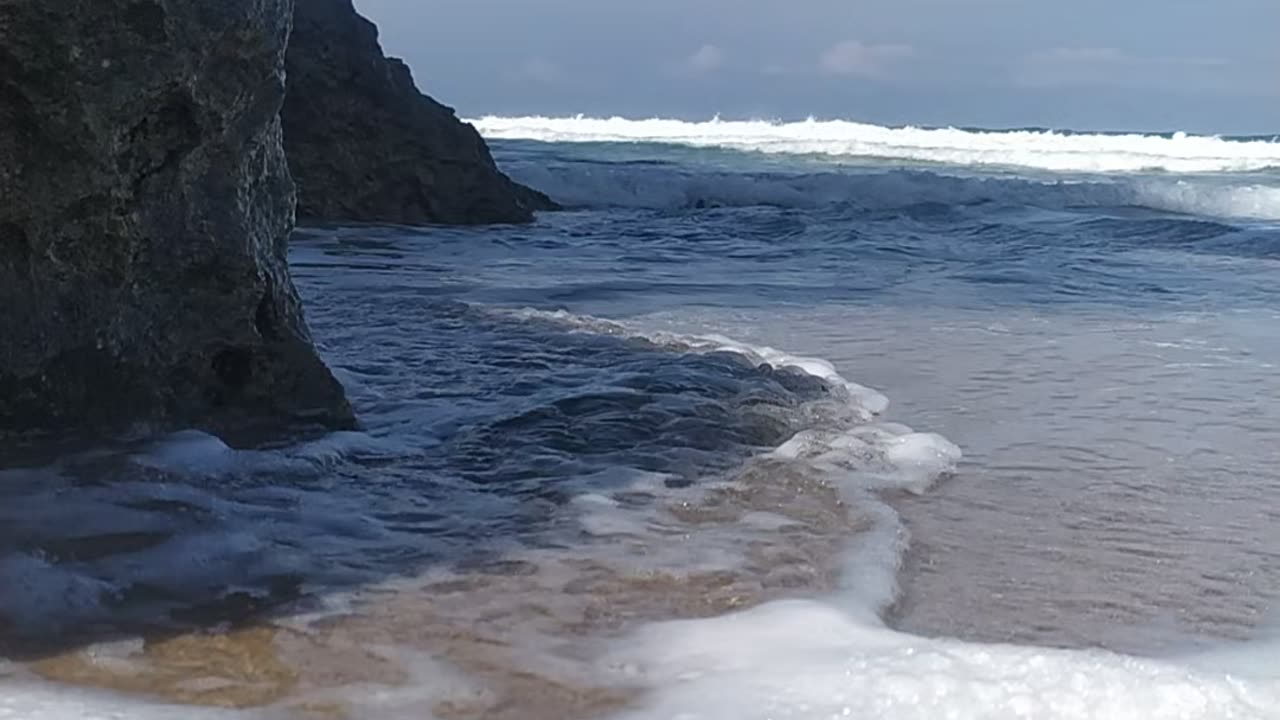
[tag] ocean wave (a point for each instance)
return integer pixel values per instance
(171, 525)
(844, 445)
(1043, 150)
(631, 510)
(797, 658)
(835, 656)
(864, 401)
(615, 185)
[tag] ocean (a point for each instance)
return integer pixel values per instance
(775, 420)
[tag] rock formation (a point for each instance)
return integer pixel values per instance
(365, 146)
(145, 206)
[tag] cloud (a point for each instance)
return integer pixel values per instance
(853, 57)
(708, 58)
(1113, 67)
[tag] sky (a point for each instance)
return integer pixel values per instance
(1203, 66)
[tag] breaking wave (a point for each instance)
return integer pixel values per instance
(1037, 149)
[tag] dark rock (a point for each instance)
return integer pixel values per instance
(365, 146)
(145, 206)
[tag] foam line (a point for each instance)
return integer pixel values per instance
(1046, 150)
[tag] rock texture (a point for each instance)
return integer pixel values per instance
(145, 206)
(366, 146)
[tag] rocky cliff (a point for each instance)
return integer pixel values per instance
(145, 206)
(364, 145)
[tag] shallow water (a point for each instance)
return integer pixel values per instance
(1117, 474)
(578, 428)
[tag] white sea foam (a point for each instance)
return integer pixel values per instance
(1250, 201)
(852, 452)
(836, 658)
(192, 452)
(32, 700)
(807, 660)
(800, 659)
(909, 460)
(855, 458)
(1043, 150)
(863, 400)
(871, 401)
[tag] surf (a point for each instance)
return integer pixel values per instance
(847, 140)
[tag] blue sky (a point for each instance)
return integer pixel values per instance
(1194, 65)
